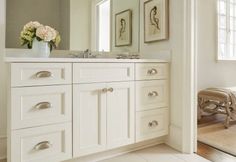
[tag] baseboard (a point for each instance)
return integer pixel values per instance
(3, 147)
(108, 154)
(175, 137)
(116, 152)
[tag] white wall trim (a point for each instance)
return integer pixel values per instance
(189, 80)
(174, 136)
(194, 75)
(120, 151)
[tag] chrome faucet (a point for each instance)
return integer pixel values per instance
(86, 53)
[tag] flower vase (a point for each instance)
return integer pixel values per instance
(41, 48)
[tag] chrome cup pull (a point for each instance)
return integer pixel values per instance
(110, 89)
(43, 146)
(152, 124)
(152, 71)
(153, 94)
(43, 105)
(43, 74)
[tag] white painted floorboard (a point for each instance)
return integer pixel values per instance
(160, 153)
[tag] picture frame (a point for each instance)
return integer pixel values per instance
(123, 28)
(156, 20)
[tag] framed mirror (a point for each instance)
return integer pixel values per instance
(82, 24)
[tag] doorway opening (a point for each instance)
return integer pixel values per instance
(215, 44)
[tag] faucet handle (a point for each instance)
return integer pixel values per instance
(87, 50)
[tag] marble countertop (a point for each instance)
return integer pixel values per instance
(15, 57)
(74, 60)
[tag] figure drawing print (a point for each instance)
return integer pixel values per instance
(123, 35)
(155, 20)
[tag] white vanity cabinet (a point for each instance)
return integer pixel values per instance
(152, 100)
(40, 112)
(89, 119)
(103, 116)
(63, 110)
(120, 114)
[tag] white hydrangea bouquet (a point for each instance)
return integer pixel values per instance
(34, 31)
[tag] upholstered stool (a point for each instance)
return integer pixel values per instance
(217, 101)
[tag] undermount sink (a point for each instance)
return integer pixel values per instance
(92, 57)
(81, 56)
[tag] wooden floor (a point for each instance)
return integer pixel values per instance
(213, 154)
(209, 152)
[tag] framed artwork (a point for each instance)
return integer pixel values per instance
(156, 21)
(123, 28)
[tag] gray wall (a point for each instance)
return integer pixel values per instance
(20, 12)
(80, 24)
(119, 6)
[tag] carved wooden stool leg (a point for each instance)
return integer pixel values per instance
(200, 108)
(228, 117)
(227, 120)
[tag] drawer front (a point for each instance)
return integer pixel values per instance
(102, 72)
(31, 74)
(151, 124)
(49, 144)
(149, 71)
(36, 106)
(151, 94)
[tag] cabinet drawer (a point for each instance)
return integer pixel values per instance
(31, 74)
(50, 144)
(35, 106)
(102, 72)
(151, 124)
(151, 94)
(149, 71)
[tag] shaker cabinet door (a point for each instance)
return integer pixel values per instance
(103, 117)
(120, 114)
(89, 119)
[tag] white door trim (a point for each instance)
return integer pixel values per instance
(189, 135)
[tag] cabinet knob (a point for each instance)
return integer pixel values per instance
(152, 124)
(153, 94)
(152, 71)
(43, 105)
(42, 145)
(43, 74)
(105, 90)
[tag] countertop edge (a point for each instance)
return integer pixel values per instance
(76, 60)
